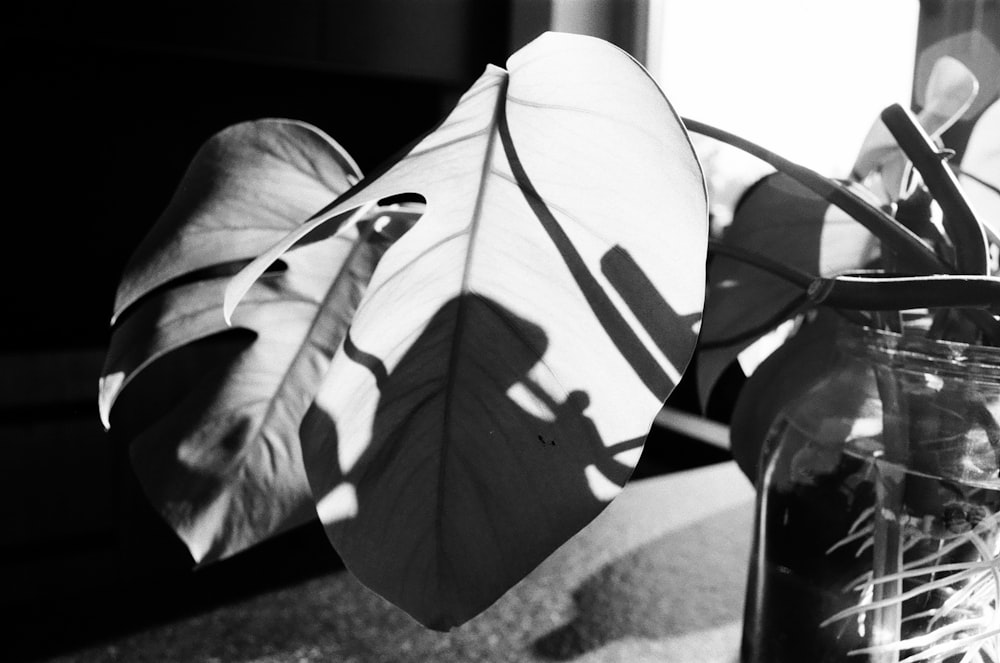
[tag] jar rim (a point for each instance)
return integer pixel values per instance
(915, 350)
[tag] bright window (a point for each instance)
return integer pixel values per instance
(803, 78)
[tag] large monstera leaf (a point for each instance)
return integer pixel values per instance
(508, 358)
(212, 414)
(782, 220)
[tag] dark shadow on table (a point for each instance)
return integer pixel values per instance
(665, 588)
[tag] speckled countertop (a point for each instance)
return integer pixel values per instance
(658, 576)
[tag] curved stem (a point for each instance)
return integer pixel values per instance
(887, 553)
(910, 292)
(876, 293)
(883, 226)
(794, 307)
(859, 293)
(960, 222)
(769, 265)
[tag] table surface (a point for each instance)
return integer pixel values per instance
(658, 576)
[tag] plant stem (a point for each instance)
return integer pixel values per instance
(900, 293)
(887, 537)
(894, 235)
(959, 221)
(795, 307)
(887, 554)
(781, 270)
(877, 293)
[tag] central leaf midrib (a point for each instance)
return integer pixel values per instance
(306, 345)
(457, 328)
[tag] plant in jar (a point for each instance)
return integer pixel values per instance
(876, 518)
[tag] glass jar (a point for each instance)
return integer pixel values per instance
(878, 510)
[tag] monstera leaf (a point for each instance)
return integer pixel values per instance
(213, 415)
(511, 351)
(781, 220)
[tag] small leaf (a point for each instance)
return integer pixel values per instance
(784, 221)
(513, 348)
(212, 414)
(881, 165)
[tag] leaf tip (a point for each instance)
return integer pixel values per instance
(236, 289)
(108, 387)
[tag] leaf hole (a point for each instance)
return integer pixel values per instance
(402, 199)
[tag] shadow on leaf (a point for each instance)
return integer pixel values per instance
(672, 333)
(477, 467)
